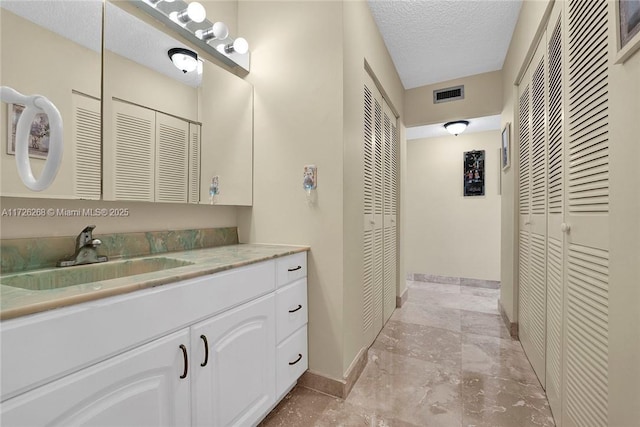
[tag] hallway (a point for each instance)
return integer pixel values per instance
(444, 359)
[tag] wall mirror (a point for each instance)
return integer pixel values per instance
(171, 136)
(53, 48)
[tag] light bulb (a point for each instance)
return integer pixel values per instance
(239, 45)
(218, 31)
(194, 12)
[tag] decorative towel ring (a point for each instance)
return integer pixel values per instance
(35, 104)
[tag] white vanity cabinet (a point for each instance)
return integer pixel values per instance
(141, 387)
(217, 350)
(291, 321)
(236, 386)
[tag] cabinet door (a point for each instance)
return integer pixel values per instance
(236, 387)
(141, 387)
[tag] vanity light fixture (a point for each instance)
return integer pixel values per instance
(189, 20)
(456, 127)
(184, 59)
(218, 31)
(239, 45)
(194, 12)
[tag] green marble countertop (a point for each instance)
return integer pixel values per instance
(16, 302)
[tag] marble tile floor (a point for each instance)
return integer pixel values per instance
(444, 359)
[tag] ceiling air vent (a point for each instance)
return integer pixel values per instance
(449, 94)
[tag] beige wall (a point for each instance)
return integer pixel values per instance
(362, 42)
(448, 234)
(315, 120)
(296, 70)
(142, 216)
(529, 22)
(482, 97)
(624, 256)
(31, 63)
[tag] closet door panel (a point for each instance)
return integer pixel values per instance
(555, 217)
(172, 159)
(587, 207)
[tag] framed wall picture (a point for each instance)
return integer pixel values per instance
(628, 23)
(473, 173)
(38, 135)
(506, 147)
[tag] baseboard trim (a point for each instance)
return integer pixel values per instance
(449, 280)
(332, 386)
(512, 327)
(401, 299)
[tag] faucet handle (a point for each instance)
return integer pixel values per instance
(88, 229)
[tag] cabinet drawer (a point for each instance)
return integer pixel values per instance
(291, 308)
(290, 268)
(292, 360)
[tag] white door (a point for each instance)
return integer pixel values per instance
(233, 358)
(533, 213)
(555, 213)
(587, 214)
(142, 387)
(133, 159)
(390, 212)
(172, 159)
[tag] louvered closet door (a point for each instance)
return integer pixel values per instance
(555, 217)
(532, 297)
(369, 137)
(194, 162)
(374, 211)
(587, 215)
(172, 159)
(88, 146)
(390, 211)
(134, 152)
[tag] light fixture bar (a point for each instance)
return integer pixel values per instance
(161, 11)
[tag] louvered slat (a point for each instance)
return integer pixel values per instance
(523, 280)
(368, 151)
(388, 144)
(554, 317)
(171, 159)
(555, 170)
(378, 167)
(588, 172)
(368, 281)
(587, 328)
(194, 163)
(88, 140)
(394, 171)
(538, 141)
(134, 155)
(537, 297)
(524, 179)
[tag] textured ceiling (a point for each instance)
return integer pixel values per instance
(432, 41)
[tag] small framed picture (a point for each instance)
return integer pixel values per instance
(38, 138)
(628, 28)
(473, 168)
(506, 147)
(310, 177)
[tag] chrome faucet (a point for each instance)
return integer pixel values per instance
(86, 249)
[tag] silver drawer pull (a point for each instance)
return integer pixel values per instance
(295, 309)
(294, 269)
(297, 360)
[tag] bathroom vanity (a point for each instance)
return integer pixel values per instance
(218, 342)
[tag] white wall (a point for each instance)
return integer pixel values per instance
(448, 234)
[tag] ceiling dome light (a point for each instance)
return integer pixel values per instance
(239, 45)
(457, 127)
(184, 59)
(218, 31)
(194, 12)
